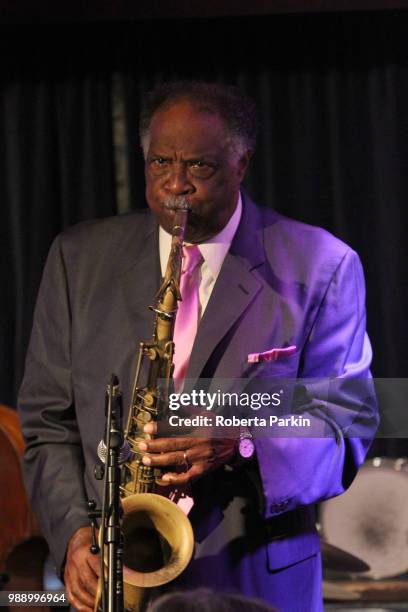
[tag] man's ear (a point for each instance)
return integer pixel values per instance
(243, 163)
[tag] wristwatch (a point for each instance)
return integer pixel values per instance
(246, 445)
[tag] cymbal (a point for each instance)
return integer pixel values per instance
(335, 559)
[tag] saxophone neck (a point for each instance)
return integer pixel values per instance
(169, 293)
(173, 268)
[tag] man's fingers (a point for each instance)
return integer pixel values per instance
(79, 603)
(81, 571)
(163, 429)
(185, 456)
(94, 563)
(166, 445)
(171, 478)
(81, 600)
(150, 428)
(175, 458)
(89, 582)
(80, 595)
(81, 592)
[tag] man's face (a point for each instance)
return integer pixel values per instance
(189, 156)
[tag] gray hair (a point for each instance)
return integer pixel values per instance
(237, 110)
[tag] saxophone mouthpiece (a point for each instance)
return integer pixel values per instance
(177, 203)
(183, 204)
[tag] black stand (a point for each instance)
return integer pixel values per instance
(111, 535)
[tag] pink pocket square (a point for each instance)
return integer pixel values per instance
(271, 355)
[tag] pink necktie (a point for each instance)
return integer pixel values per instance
(188, 309)
(184, 334)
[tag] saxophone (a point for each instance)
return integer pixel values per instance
(157, 535)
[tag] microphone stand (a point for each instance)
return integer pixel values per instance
(112, 591)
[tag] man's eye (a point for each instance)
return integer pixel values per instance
(158, 165)
(200, 169)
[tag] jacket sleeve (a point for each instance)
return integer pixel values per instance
(335, 393)
(53, 464)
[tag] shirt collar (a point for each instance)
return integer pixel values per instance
(213, 250)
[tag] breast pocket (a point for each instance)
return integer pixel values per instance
(285, 367)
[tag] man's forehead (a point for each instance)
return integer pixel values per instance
(186, 111)
(182, 127)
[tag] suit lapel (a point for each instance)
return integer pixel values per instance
(234, 290)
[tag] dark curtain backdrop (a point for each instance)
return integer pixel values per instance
(55, 169)
(333, 145)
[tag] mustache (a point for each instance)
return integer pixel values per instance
(176, 202)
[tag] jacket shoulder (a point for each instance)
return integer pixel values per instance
(104, 244)
(300, 252)
(301, 237)
(108, 228)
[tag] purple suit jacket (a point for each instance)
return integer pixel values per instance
(282, 283)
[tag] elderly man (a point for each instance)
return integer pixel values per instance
(266, 286)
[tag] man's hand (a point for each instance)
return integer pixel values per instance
(81, 571)
(198, 455)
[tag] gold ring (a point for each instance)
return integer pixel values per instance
(185, 459)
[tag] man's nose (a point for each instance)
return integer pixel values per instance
(178, 182)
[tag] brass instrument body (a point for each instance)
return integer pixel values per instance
(151, 400)
(158, 538)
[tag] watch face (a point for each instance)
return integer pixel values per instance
(246, 448)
